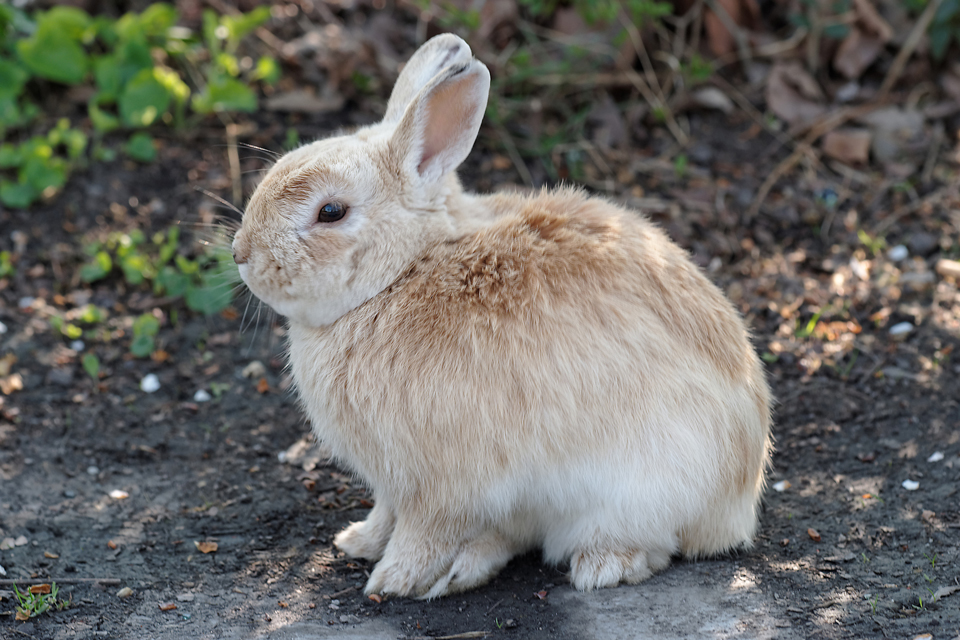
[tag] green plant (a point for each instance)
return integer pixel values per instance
(6, 266)
(803, 331)
(37, 600)
(874, 245)
(145, 329)
(932, 560)
(944, 28)
(91, 365)
(874, 602)
(139, 70)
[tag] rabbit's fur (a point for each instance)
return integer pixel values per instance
(507, 371)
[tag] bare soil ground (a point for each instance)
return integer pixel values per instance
(844, 549)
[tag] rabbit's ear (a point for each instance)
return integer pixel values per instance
(441, 123)
(435, 55)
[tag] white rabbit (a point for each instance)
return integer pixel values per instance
(507, 371)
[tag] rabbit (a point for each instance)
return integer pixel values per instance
(505, 372)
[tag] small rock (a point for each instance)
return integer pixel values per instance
(150, 383)
(93, 470)
(946, 268)
(910, 485)
(77, 345)
(20, 541)
(918, 280)
(69, 494)
(201, 396)
(923, 243)
(117, 494)
(701, 154)
(898, 253)
(936, 456)
(60, 377)
(782, 486)
(186, 597)
(7, 543)
(3, 571)
(126, 592)
(25, 302)
(901, 329)
(3, 328)
(254, 370)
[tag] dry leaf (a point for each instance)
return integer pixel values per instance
(742, 12)
(206, 546)
(857, 52)
(167, 606)
(263, 386)
(785, 542)
(111, 544)
(813, 535)
(541, 595)
(52, 556)
(375, 597)
(11, 383)
(849, 146)
(22, 616)
(6, 362)
(39, 589)
(792, 93)
(230, 314)
(283, 605)
(117, 494)
(159, 356)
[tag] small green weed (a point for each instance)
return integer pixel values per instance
(37, 600)
(91, 365)
(874, 245)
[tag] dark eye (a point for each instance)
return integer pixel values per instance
(331, 212)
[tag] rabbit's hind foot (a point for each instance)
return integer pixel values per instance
(599, 568)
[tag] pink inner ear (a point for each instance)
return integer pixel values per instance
(449, 111)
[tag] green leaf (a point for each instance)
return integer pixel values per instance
(208, 300)
(136, 268)
(12, 78)
(142, 346)
(42, 173)
(940, 36)
(146, 324)
(172, 282)
(98, 268)
(106, 73)
(69, 22)
(157, 19)
(102, 121)
(266, 70)
(53, 55)
(140, 147)
(225, 94)
(239, 26)
(17, 195)
(143, 100)
(91, 364)
(92, 314)
(10, 156)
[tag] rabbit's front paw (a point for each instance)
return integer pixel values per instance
(478, 561)
(402, 575)
(599, 568)
(369, 538)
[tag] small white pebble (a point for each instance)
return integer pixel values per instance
(77, 345)
(901, 329)
(126, 592)
(282, 456)
(150, 383)
(898, 253)
(781, 486)
(3, 328)
(910, 485)
(21, 541)
(3, 571)
(25, 302)
(254, 370)
(117, 494)
(93, 470)
(201, 396)
(936, 456)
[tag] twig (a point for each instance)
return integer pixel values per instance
(24, 633)
(743, 49)
(896, 68)
(650, 87)
(515, 156)
(930, 198)
(234, 156)
(342, 592)
(456, 636)
(495, 605)
(106, 581)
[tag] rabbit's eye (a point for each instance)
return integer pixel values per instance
(331, 212)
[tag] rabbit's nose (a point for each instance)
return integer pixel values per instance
(241, 252)
(238, 258)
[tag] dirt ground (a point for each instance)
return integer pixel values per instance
(845, 548)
